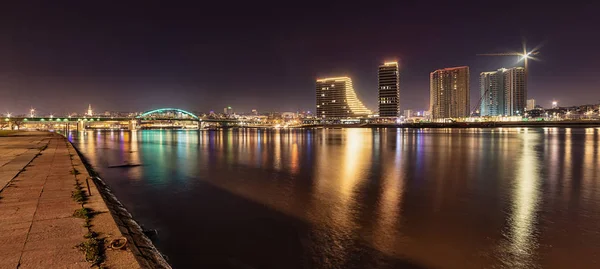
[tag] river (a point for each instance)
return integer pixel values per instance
(360, 198)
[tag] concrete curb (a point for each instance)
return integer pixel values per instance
(146, 254)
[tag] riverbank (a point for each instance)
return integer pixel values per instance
(51, 214)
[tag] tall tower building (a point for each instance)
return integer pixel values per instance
(491, 85)
(336, 99)
(515, 91)
(389, 90)
(530, 104)
(449, 92)
(504, 92)
(89, 111)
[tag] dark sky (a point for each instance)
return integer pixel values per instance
(58, 56)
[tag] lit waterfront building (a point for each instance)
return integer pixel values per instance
(228, 110)
(503, 92)
(515, 91)
(408, 113)
(530, 104)
(491, 85)
(554, 104)
(336, 99)
(449, 93)
(389, 90)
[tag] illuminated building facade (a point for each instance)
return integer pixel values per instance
(389, 90)
(530, 104)
(336, 99)
(515, 91)
(491, 85)
(504, 92)
(449, 92)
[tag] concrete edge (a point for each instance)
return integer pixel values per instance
(146, 254)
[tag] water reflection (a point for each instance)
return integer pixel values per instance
(525, 202)
(361, 198)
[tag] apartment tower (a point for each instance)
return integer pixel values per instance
(389, 90)
(449, 93)
(503, 92)
(336, 99)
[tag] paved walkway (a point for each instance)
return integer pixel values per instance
(17, 151)
(37, 227)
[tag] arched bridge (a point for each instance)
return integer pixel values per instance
(177, 114)
(168, 114)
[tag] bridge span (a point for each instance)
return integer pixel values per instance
(156, 118)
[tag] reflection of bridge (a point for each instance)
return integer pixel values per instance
(157, 118)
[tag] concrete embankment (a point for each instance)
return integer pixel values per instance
(52, 215)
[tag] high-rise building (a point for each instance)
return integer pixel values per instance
(530, 104)
(228, 110)
(515, 91)
(336, 99)
(449, 92)
(503, 92)
(389, 90)
(89, 111)
(408, 113)
(492, 92)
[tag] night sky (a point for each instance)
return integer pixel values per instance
(58, 56)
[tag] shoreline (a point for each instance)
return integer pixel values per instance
(51, 216)
(144, 251)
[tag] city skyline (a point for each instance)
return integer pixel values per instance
(123, 59)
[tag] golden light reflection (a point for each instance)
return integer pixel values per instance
(91, 143)
(525, 202)
(568, 165)
(554, 159)
(277, 159)
(589, 169)
(134, 157)
(385, 235)
(354, 162)
(339, 171)
(294, 165)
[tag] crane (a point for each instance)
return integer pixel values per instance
(523, 56)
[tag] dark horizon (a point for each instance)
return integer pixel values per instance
(202, 57)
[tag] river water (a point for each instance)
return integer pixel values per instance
(360, 198)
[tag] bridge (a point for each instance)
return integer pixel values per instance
(156, 118)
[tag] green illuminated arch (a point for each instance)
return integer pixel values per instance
(160, 110)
